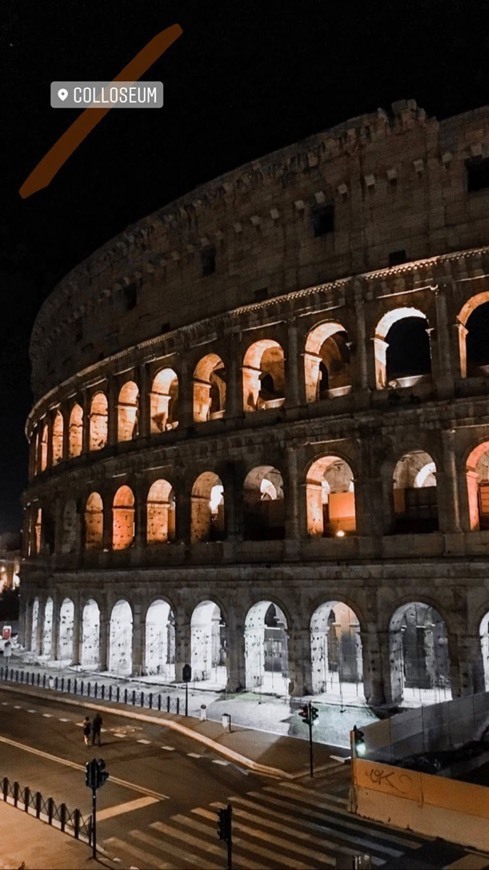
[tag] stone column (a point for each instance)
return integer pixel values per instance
(466, 666)
(141, 518)
(104, 632)
(40, 626)
(300, 666)
(144, 402)
(77, 620)
(55, 633)
(107, 499)
(292, 367)
(183, 513)
(112, 411)
(377, 667)
(291, 495)
(363, 344)
(182, 643)
(26, 638)
(138, 632)
(442, 364)
(235, 648)
(85, 403)
(234, 401)
(49, 460)
(449, 507)
(66, 433)
(185, 394)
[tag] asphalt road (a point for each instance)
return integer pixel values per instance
(154, 772)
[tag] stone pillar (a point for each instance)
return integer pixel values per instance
(144, 402)
(104, 632)
(55, 634)
(234, 400)
(183, 513)
(377, 374)
(40, 626)
(107, 500)
(466, 666)
(141, 519)
(442, 364)
(112, 411)
(459, 343)
(449, 506)
(66, 433)
(26, 638)
(291, 495)
(138, 632)
(22, 625)
(182, 644)
(85, 403)
(377, 667)
(300, 666)
(360, 378)
(292, 368)
(77, 626)
(49, 460)
(235, 648)
(185, 394)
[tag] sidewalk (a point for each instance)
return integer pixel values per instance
(33, 845)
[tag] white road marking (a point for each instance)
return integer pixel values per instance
(169, 748)
(17, 707)
(147, 742)
(193, 755)
(32, 711)
(48, 715)
(5, 703)
(63, 720)
(219, 761)
(128, 807)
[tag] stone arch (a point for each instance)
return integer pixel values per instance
(327, 369)
(57, 438)
(94, 522)
(66, 627)
(208, 645)
(336, 650)
(477, 476)
(160, 512)
(75, 432)
(264, 504)
(402, 348)
(164, 401)
(419, 660)
(209, 389)
(330, 498)
(207, 522)
(69, 529)
(263, 376)
(90, 635)
(121, 638)
(47, 629)
(473, 325)
(159, 653)
(415, 493)
(266, 649)
(128, 412)
(43, 447)
(123, 527)
(98, 422)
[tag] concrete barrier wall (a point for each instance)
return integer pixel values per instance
(431, 805)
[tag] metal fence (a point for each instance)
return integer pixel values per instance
(90, 689)
(69, 821)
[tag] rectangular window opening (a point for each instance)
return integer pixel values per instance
(208, 258)
(323, 220)
(397, 257)
(477, 169)
(130, 297)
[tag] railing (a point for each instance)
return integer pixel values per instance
(69, 821)
(90, 689)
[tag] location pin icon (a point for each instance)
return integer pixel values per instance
(62, 94)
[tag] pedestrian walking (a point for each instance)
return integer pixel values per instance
(96, 729)
(86, 730)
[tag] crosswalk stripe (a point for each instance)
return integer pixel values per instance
(169, 748)
(128, 807)
(193, 755)
(146, 742)
(128, 849)
(308, 796)
(210, 830)
(220, 761)
(188, 838)
(174, 850)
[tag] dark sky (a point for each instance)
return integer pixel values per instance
(244, 79)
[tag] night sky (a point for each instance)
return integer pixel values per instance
(244, 79)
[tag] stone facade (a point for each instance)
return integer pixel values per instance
(260, 437)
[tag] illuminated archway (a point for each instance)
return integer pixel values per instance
(336, 651)
(98, 425)
(330, 498)
(123, 519)
(208, 645)
(418, 643)
(264, 505)
(160, 508)
(90, 640)
(120, 639)
(473, 335)
(75, 432)
(402, 348)
(415, 494)
(128, 412)
(477, 476)
(159, 655)
(164, 401)
(327, 362)
(209, 389)
(66, 625)
(94, 521)
(263, 376)
(266, 651)
(57, 437)
(207, 508)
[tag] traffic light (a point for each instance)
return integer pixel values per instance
(91, 774)
(359, 742)
(224, 823)
(304, 713)
(314, 713)
(102, 774)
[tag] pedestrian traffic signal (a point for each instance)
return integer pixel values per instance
(304, 713)
(359, 742)
(314, 713)
(91, 774)
(102, 774)
(224, 823)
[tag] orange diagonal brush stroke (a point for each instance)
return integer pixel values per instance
(50, 164)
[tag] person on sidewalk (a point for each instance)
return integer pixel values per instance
(86, 730)
(96, 729)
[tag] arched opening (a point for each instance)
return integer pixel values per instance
(209, 389)
(43, 448)
(263, 376)
(473, 335)
(208, 645)
(66, 625)
(159, 656)
(94, 522)
(414, 491)
(266, 653)
(69, 527)
(164, 401)
(477, 475)
(264, 505)
(207, 509)
(57, 438)
(128, 412)
(418, 644)
(327, 369)
(402, 349)
(90, 640)
(47, 630)
(35, 626)
(336, 651)
(120, 646)
(330, 498)
(98, 428)
(75, 432)
(160, 509)
(123, 519)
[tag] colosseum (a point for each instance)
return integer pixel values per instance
(260, 434)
